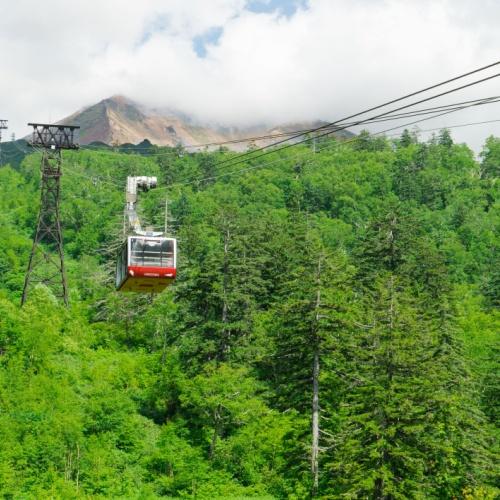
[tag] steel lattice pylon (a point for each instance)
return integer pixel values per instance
(46, 263)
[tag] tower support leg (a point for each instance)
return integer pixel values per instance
(46, 263)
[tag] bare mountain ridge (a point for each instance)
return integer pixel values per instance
(119, 120)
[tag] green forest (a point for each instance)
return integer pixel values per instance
(332, 332)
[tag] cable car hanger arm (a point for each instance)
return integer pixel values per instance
(133, 184)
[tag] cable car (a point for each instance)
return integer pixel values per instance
(146, 264)
(147, 260)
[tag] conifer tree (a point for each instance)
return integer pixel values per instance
(222, 282)
(307, 328)
(410, 417)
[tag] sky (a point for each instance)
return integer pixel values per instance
(246, 62)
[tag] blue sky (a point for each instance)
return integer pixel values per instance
(210, 37)
(286, 8)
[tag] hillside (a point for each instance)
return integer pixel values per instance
(118, 120)
(365, 273)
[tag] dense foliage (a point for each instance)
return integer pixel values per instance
(332, 332)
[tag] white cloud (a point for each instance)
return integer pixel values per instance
(326, 61)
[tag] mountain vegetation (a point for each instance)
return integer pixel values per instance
(333, 331)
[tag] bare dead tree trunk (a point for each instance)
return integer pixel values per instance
(215, 435)
(315, 398)
(68, 465)
(315, 425)
(226, 347)
(77, 479)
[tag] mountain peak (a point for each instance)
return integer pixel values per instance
(119, 99)
(119, 120)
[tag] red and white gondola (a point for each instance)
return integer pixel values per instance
(147, 260)
(146, 264)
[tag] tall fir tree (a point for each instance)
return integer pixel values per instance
(306, 328)
(407, 422)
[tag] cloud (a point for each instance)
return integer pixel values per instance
(239, 62)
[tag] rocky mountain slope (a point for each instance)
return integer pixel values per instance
(119, 120)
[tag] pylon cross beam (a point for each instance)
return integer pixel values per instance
(54, 136)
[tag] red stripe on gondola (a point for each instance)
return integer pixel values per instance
(155, 272)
